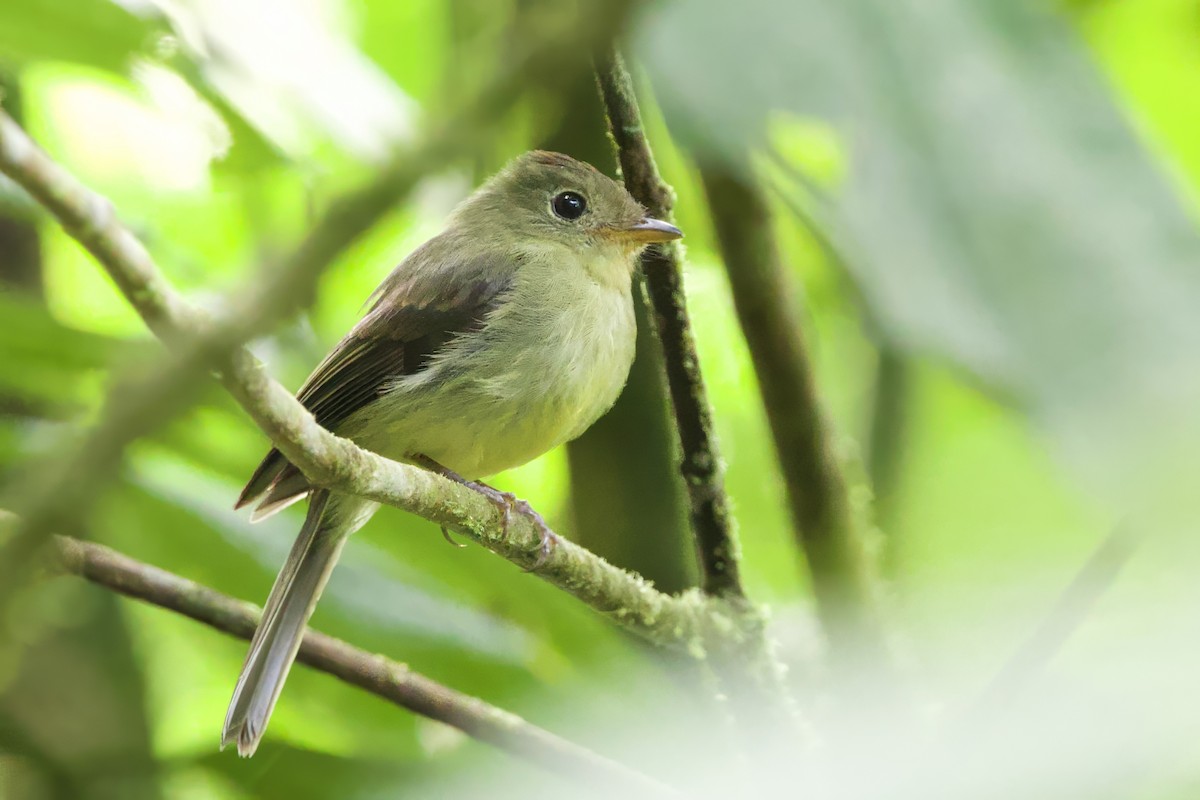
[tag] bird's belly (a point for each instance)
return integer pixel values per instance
(496, 439)
(509, 403)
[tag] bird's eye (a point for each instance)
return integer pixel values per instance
(569, 205)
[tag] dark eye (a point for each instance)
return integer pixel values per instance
(569, 205)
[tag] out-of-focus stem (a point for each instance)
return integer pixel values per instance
(768, 303)
(20, 245)
(886, 445)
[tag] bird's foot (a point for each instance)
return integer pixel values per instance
(548, 538)
(506, 503)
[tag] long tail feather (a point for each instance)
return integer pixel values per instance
(290, 604)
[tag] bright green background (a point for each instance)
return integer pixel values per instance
(1014, 193)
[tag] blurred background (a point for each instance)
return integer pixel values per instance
(986, 211)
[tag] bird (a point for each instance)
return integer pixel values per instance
(505, 335)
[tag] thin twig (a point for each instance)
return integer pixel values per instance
(374, 673)
(701, 465)
(1065, 617)
(767, 303)
(334, 463)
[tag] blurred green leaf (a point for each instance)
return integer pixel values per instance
(73, 702)
(293, 773)
(998, 209)
(47, 364)
(302, 91)
(30, 332)
(99, 33)
(250, 150)
(1148, 49)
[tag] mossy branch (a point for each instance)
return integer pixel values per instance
(750, 674)
(327, 460)
(712, 524)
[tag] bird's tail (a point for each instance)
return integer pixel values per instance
(330, 521)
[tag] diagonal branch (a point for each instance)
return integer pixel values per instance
(334, 463)
(376, 674)
(701, 466)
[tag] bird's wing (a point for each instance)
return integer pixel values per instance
(425, 303)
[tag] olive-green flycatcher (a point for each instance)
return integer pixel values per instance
(502, 337)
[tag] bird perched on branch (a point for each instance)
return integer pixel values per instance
(502, 337)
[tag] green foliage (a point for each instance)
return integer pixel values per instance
(999, 212)
(1011, 190)
(93, 32)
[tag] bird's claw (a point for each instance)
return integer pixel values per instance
(549, 540)
(446, 535)
(506, 503)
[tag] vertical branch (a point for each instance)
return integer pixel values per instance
(616, 499)
(766, 301)
(748, 673)
(701, 465)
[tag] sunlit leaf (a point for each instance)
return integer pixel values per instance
(300, 90)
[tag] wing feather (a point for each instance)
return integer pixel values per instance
(417, 310)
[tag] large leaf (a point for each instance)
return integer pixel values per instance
(998, 209)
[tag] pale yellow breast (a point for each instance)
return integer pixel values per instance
(550, 362)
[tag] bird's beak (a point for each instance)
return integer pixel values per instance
(651, 230)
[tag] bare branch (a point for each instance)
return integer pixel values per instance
(702, 469)
(374, 673)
